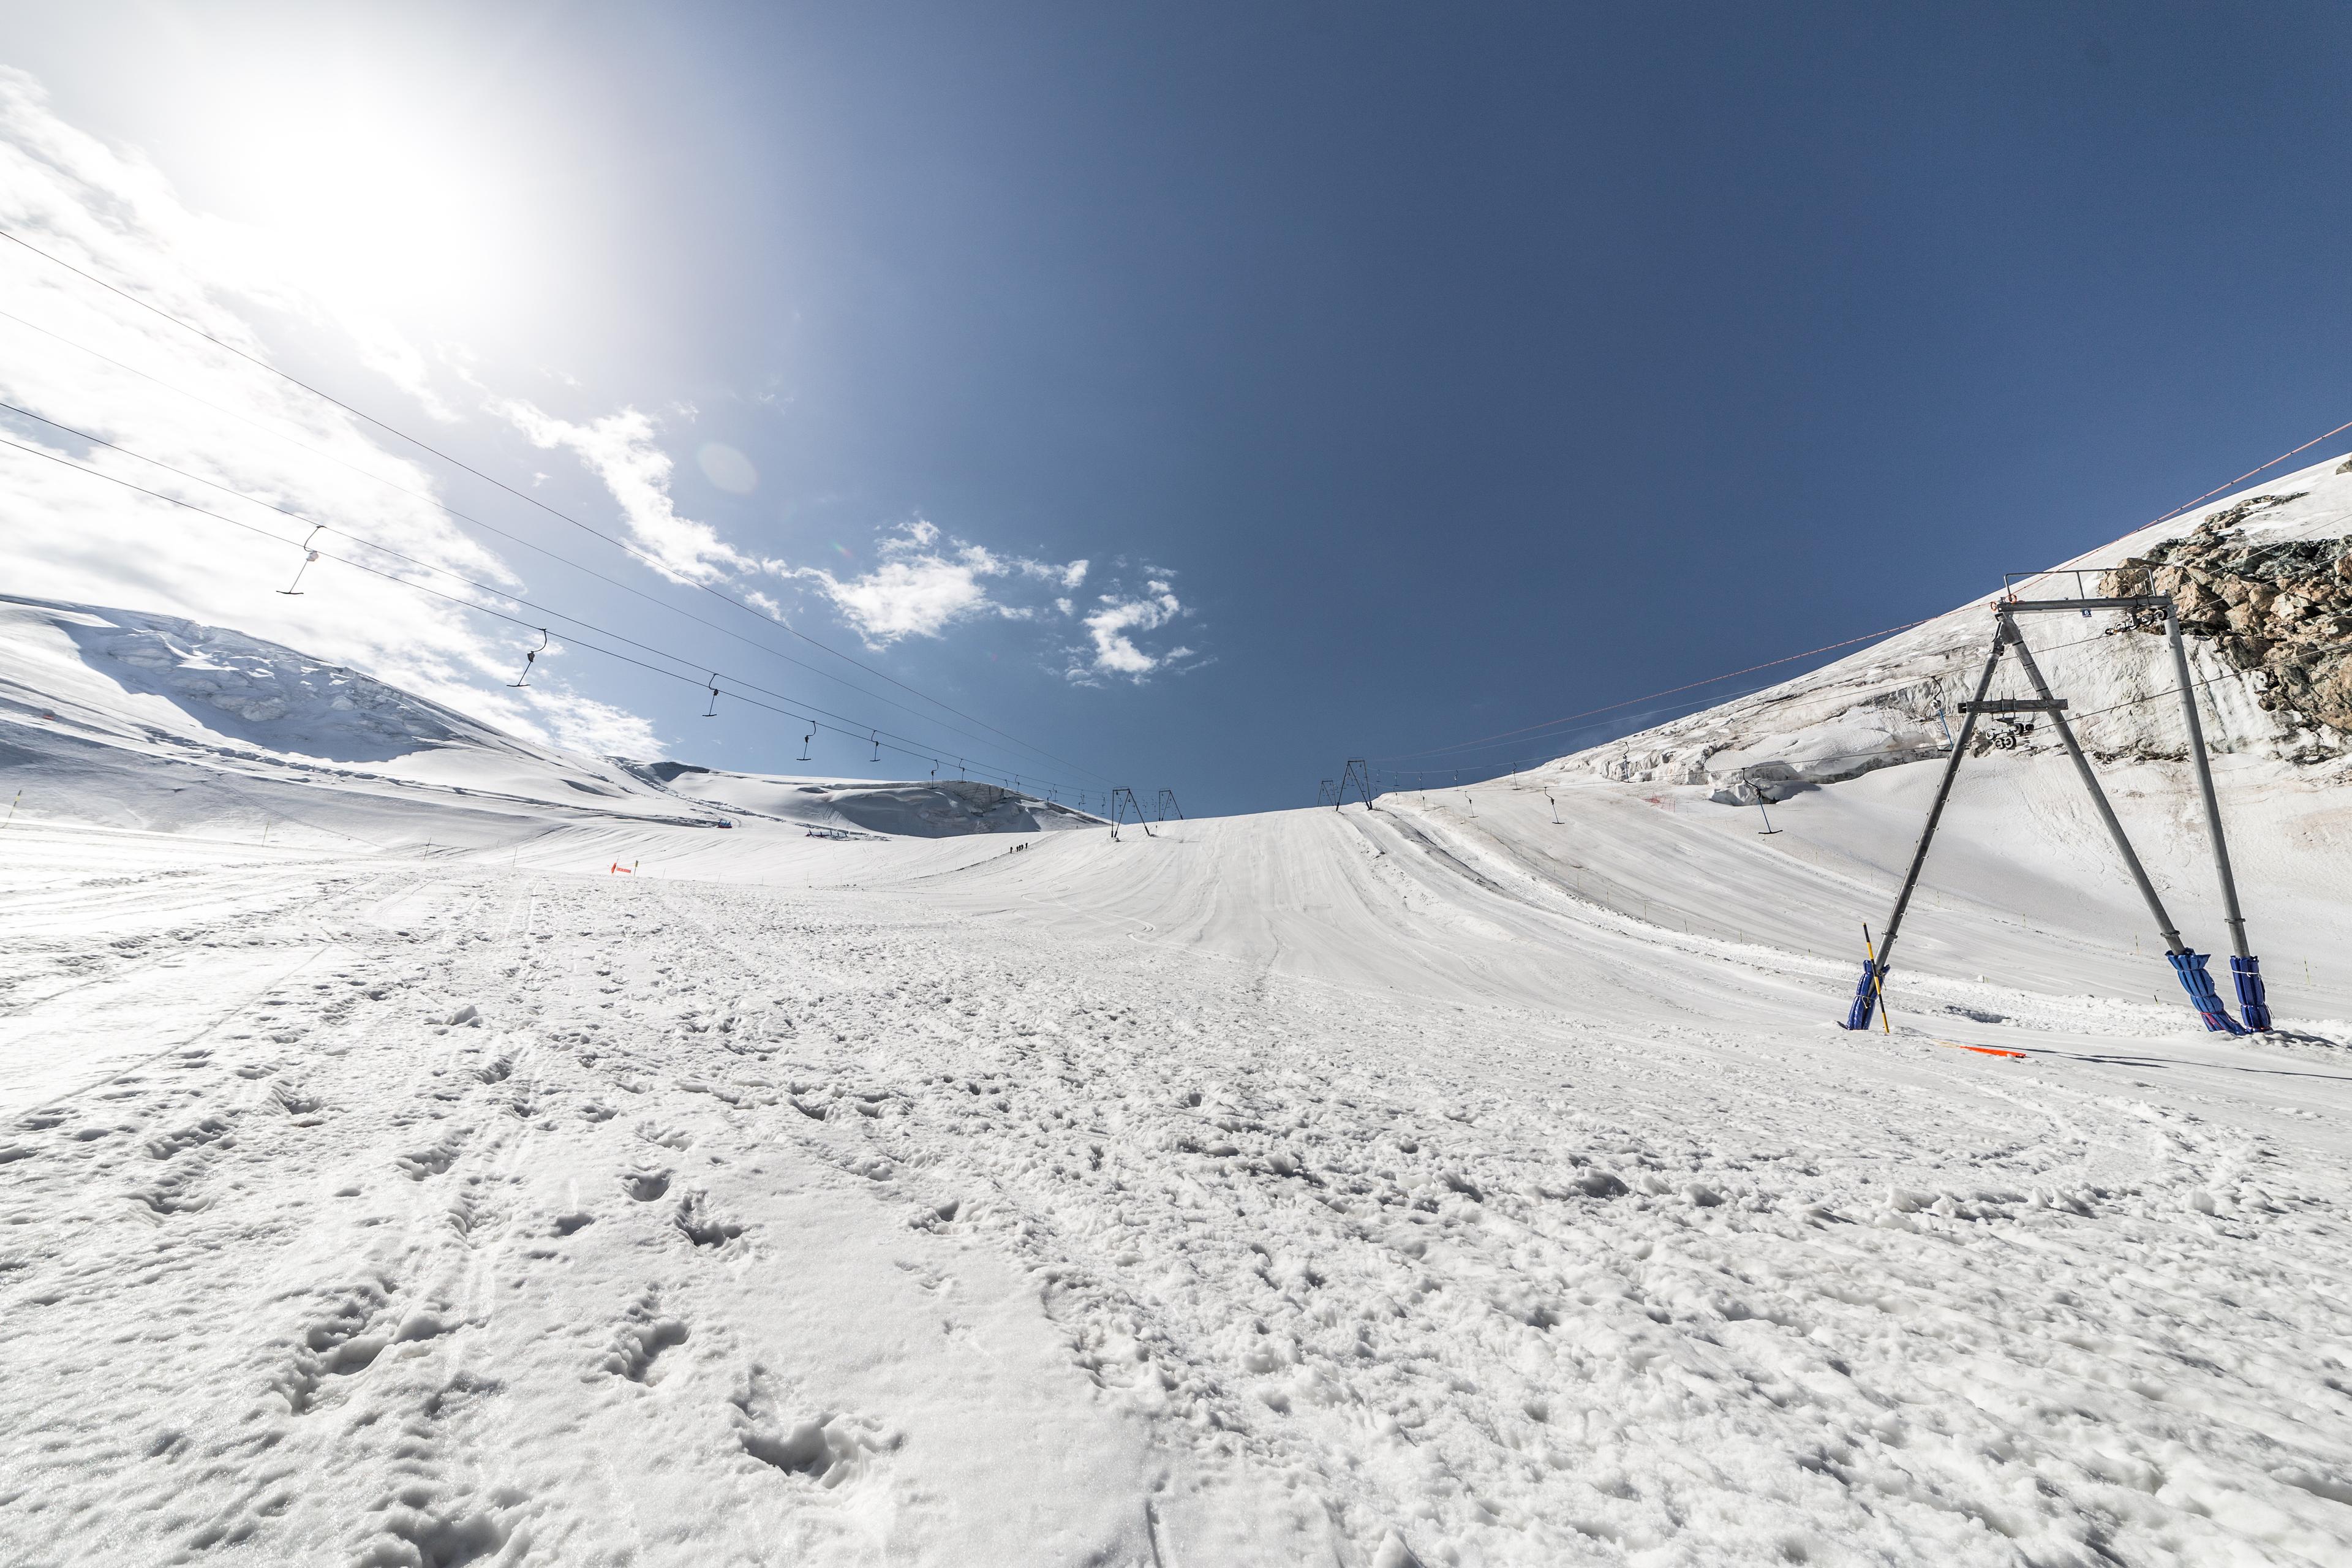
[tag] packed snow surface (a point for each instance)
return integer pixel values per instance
(1475, 1179)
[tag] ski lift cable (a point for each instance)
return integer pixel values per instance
(1890, 631)
(2190, 505)
(398, 555)
(479, 609)
(2242, 479)
(1669, 692)
(1467, 746)
(1679, 710)
(467, 517)
(613, 540)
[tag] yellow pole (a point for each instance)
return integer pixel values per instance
(1875, 988)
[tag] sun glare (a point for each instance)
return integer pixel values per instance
(371, 201)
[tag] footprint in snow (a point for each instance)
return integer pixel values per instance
(639, 1339)
(700, 1226)
(830, 1450)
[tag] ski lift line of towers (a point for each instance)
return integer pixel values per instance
(1122, 801)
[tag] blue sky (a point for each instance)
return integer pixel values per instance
(1399, 374)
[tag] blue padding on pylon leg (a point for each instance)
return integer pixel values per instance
(2190, 967)
(1865, 997)
(2253, 1001)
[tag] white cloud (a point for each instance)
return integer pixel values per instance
(382, 350)
(926, 582)
(1114, 627)
(584, 724)
(1068, 576)
(915, 592)
(619, 449)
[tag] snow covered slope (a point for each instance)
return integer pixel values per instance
(1475, 1178)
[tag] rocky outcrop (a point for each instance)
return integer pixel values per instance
(2279, 611)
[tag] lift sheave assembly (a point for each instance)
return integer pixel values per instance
(2245, 969)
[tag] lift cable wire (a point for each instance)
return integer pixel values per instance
(2186, 506)
(1630, 702)
(1667, 715)
(613, 540)
(2176, 511)
(799, 713)
(399, 555)
(2242, 479)
(490, 528)
(470, 605)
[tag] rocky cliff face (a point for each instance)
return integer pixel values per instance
(2279, 610)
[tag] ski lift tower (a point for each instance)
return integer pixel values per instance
(2245, 969)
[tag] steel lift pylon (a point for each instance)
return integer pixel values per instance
(2245, 967)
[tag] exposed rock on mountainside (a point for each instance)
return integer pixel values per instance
(2280, 610)
(938, 808)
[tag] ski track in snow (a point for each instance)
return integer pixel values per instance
(525, 1215)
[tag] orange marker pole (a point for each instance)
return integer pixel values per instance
(1984, 1050)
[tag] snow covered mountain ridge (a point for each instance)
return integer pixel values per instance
(2265, 601)
(95, 691)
